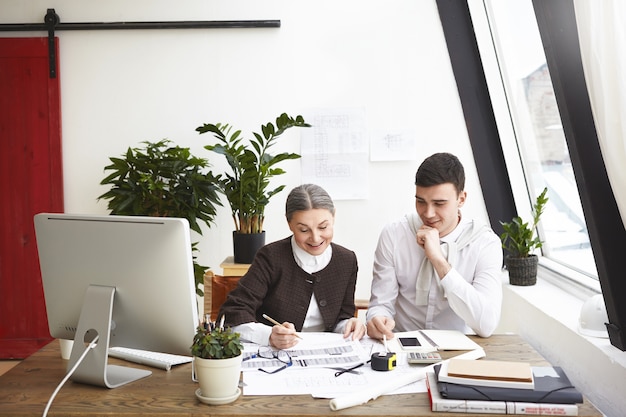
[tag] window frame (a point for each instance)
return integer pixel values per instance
(557, 26)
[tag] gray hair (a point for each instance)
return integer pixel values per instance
(308, 197)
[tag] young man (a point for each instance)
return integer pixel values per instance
(435, 269)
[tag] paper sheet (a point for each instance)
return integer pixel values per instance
(316, 358)
(322, 383)
(392, 386)
(335, 152)
(319, 378)
(315, 350)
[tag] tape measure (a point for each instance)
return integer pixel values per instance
(383, 361)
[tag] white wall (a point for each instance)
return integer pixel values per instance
(123, 87)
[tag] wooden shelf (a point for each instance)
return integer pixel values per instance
(231, 269)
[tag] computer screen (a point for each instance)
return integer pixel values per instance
(127, 279)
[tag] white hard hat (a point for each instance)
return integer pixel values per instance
(593, 317)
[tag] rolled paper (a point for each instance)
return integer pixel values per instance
(358, 398)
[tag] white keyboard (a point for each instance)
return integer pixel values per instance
(146, 357)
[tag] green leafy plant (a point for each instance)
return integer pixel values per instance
(519, 237)
(216, 344)
(252, 166)
(163, 180)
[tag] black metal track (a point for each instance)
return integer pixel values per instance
(210, 24)
(52, 23)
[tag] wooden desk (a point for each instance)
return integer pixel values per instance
(25, 389)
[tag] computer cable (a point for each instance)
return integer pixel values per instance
(69, 374)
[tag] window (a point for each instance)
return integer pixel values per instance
(540, 141)
(480, 70)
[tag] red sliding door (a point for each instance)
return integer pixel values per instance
(31, 181)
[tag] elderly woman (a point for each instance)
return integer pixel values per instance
(305, 282)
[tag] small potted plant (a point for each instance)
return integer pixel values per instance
(520, 241)
(246, 186)
(163, 180)
(217, 356)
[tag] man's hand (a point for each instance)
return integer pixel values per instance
(380, 326)
(428, 238)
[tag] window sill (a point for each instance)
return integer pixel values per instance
(547, 317)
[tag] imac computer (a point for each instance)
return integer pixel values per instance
(126, 279)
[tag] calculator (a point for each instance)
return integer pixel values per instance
(423, 358)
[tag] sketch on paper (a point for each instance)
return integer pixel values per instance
(335, 153)
(393, 146)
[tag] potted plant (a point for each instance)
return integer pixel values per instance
(520, 241)
(246, 186)
(163, 180)
(217, 356)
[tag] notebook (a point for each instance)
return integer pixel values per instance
(487, 373)
(551, 386)
(491, 370)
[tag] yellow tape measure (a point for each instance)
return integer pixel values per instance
(383, 361)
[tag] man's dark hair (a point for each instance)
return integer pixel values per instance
(441, 168)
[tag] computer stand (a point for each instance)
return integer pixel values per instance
(95, 319)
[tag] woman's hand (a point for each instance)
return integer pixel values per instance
(356, 327)
(283, 336)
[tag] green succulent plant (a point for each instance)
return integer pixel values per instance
(519, 237)
(216, 344)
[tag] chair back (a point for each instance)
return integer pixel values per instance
(216, 288)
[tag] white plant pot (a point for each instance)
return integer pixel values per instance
(218, 379)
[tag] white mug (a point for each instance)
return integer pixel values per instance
(66, 348)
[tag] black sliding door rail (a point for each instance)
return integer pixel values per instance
(52, 23)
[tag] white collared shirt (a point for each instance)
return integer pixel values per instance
(313, 321)
(468, 298)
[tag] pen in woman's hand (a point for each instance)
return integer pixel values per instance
(271, 320)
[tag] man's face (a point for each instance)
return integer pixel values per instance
(438, 206)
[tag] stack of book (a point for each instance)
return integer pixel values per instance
(499, 387)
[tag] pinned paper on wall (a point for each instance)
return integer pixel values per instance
(393, 146)
(335, 152)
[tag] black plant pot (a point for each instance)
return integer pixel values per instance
(246, 245)
(522, 271)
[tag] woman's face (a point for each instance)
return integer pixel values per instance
(312, 230)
